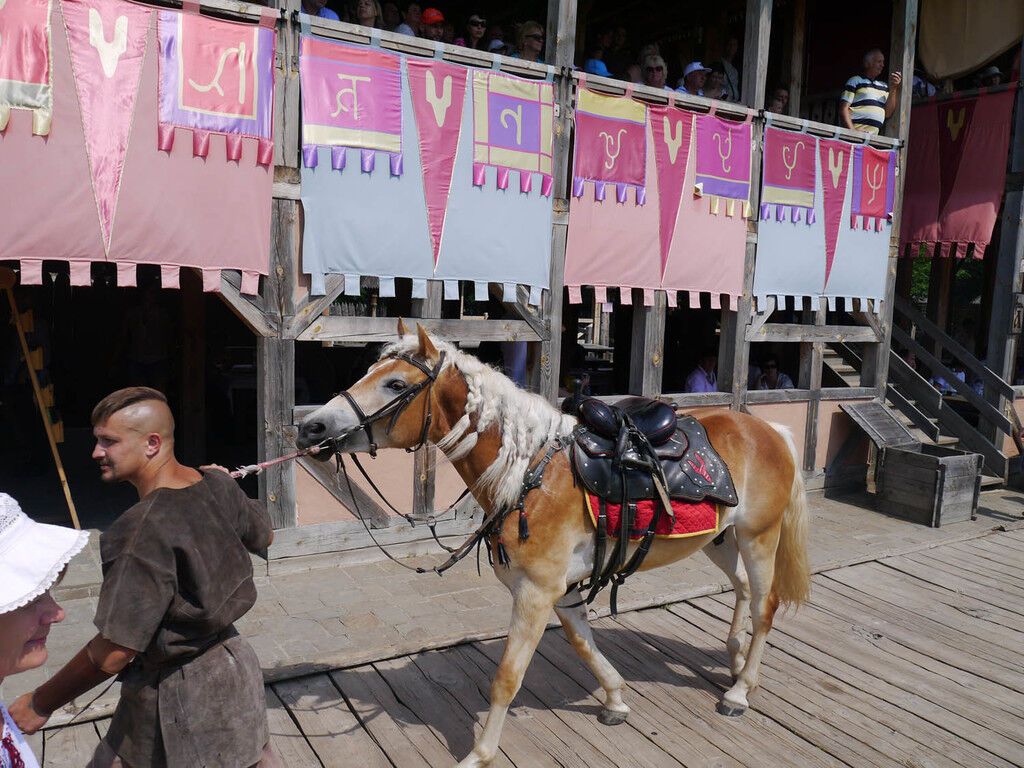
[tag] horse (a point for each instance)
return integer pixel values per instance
(426, 390)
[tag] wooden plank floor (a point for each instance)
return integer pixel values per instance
(908, 661)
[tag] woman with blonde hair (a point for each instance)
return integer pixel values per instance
(530, 42)
(32, 560)
(368, 14)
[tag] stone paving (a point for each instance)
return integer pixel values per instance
(333, 617)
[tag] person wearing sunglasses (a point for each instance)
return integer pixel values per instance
(476, 25)
(33, 558)
(530, 42)
(771, 377)
(655, 72)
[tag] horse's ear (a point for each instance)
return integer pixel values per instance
(403, 329)
(427, 349)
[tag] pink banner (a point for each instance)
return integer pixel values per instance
(874, 186)
(216, 77)
(956, 172)
(723, 160)
(788, 182)
(610, 144)
(107, 40)
(513, 124)
(351, 97)
(835, 169)
(438, 92)
(672, 130)
(25, 78)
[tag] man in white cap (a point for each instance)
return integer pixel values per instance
(32, 559)
(693, 79)
(177, 574)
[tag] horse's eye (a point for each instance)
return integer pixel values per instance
(396, 385)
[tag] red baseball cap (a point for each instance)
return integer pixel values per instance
(431, 16)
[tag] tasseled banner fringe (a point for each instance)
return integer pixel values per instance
(796, 213)
(867, 222)
(201, 144)
(502, 180)
(126, 276)
(339, 159)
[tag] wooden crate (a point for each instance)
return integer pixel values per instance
(929, 484)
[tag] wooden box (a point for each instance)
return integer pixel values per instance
(929, 484)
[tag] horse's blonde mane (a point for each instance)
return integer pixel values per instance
(525, 421)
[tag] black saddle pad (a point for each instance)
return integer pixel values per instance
(693, 469)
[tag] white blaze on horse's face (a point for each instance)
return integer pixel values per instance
(386, 380)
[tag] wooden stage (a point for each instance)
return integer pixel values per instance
(907, 661)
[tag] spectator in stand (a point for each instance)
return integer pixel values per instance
(651, 49)
(368, 14)
(496, 39)
(714, 87)
(448, 32)
(392, 18)
(989, 77)
(694, 77)
(530, 42)
(432, 24)
(771, 377)
(704, 378)
(923, 88)
(655, 72)
(410, 20)
(634, 74)
(867, 102)
(476, 25)
(617, 58)
(779, 102)
(319, 8)
(595, 64)
(732, 76)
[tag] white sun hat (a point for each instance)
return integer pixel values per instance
(32, 555)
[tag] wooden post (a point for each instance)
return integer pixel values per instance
(817, 350)
(647, 351)
(940, 291)
(733, 344)
(561, 50)
(796, 52)
(192, 409)
(425, 459)
(875, 368)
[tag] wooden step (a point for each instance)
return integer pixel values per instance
(991, 481)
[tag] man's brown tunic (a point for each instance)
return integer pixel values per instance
(176, 576)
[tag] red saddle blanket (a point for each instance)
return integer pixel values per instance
(692, 518)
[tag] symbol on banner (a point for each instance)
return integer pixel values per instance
(110, 53)
(955, 125)
(214, 84)
(345, 91)
(440, 103)
(517, 115)
(612, 143)
(728, 150)
(673, 138)
(874, 181)
(835, 166)
(791, 166)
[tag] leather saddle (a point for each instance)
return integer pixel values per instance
(611, 460)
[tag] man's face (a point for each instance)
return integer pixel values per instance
(313, 6)
(412, 16)
(874, 63)
(714, 83)
(709, 363)
(695, 80)
(620, 37)
(120, 450)
(654, 75)
(433, 31)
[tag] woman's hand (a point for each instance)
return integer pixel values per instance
(25, 716)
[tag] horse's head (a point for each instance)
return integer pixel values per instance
(390, 407)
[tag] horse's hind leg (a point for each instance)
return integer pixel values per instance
(726, 556)
(573, 615)
(758, 555)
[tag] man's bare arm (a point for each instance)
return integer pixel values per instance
(844, 115)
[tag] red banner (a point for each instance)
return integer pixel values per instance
(956, 171)
(835, 170)
(672, 130)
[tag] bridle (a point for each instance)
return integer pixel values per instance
(399, 403)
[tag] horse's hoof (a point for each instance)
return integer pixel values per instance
(730, 710)
(611, 717)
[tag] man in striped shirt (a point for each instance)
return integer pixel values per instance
(867, 101)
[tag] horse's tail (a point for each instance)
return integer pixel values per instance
(792, 584)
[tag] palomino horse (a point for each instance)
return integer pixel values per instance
(426, 390)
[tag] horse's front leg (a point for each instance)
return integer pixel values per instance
(531, 606)
(572, 612)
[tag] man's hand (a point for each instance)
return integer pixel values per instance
(25, 715)
(218, 467)
(895, 79)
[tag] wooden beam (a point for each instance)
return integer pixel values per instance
(796, 53)
(246, 308)
(756, 38)
(647, 351)
(310, 308)
(192, 408)
(521, 308)
(425, 459)
(385, 329)
(358, 501)
(816, 333)
(814, 404)
(275, 399)
(286, 93)
(875, 368)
